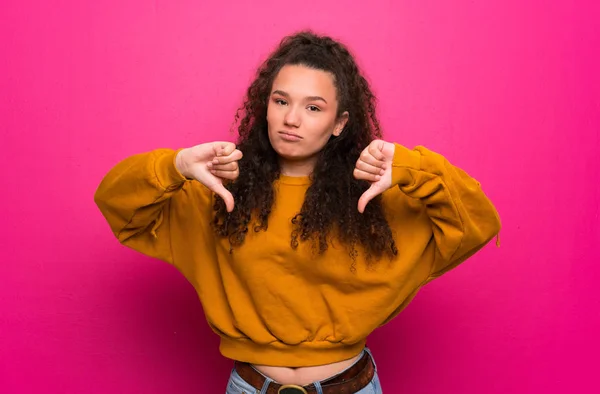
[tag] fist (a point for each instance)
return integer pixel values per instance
(211, 164)
(375, 166)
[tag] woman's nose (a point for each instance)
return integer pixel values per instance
(291, 118)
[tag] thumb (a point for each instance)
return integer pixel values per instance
(225, 194)
(367, 196)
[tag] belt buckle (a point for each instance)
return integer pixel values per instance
(291, 389)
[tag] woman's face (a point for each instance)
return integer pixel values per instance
(301, 114)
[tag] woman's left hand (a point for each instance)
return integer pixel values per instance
(375, 166)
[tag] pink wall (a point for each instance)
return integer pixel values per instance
(508, 91)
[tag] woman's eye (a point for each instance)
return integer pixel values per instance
(313, 108)
(280, 102)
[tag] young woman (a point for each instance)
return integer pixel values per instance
(307, 235)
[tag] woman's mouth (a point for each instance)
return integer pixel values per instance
(290, 137)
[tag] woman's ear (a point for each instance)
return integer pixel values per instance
(340, 124)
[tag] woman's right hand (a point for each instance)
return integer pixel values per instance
(211, 164)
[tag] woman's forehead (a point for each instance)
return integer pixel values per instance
(299, 81)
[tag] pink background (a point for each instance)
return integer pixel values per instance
(509, 91)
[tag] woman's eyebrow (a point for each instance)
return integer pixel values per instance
(309, 98)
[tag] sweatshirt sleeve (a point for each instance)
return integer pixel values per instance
(463, 219)
(135, 198)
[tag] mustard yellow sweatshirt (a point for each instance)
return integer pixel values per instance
(273, 305)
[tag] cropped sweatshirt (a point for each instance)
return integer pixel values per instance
(275, 305)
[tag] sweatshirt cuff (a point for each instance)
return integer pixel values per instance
(404, 162)
(166, 171)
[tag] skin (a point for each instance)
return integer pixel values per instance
(301, 116)
(302, 103)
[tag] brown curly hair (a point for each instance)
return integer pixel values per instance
(330, 205)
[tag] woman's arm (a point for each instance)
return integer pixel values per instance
(463, 219)
(134, 197)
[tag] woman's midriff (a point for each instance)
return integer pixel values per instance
(303, 376)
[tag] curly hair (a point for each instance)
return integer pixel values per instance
(330, 205)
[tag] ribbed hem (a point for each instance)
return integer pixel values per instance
(166, 171)
(404, 161)
(294, 180)
(277, 354)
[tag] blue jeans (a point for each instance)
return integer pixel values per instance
(237, 385)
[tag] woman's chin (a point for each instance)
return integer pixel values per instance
(293, 154)
(289, 154)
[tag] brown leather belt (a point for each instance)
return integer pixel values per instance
(349, 381)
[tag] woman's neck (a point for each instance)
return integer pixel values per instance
(297, 168)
